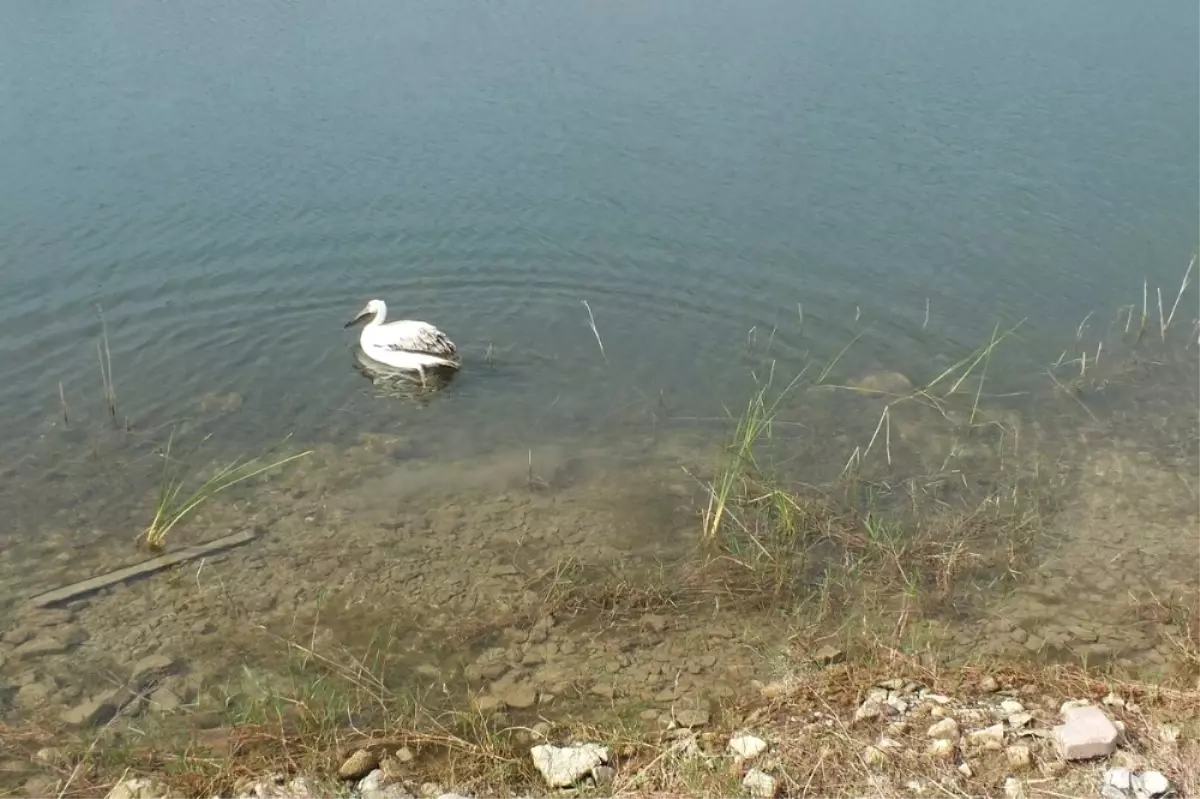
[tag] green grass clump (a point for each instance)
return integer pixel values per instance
(173, 506)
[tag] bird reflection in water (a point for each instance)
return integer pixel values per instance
(396, 383)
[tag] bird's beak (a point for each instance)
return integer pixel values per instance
(361, 315)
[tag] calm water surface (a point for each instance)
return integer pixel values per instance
(232, 181)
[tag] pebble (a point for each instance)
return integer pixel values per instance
(376, 786)
(946, 729)
(361, 763)
(760, 784)
(941, 748)
(136, 788)
(1014, 788)
(989, 737)
(828, 655)
(1154, 784)
(989, 685)
(1019, 756)
(1011, 706)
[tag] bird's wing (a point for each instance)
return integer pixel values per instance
(410, 336)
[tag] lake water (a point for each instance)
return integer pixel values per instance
(232, 181)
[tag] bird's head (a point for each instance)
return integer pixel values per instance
(372, 308)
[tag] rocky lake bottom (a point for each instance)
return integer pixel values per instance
(566, 579)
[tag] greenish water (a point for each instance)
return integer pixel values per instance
(724, 187)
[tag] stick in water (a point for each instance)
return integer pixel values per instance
(62, 402)
(595, 332)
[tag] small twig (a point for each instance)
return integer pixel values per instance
(1079, 330)
(1162, 319)
(595, 332)
(1187, 276)
(110, 392)
(925, 324)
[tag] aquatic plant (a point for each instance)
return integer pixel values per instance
(172, 506)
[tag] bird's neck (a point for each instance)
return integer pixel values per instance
(380, 313)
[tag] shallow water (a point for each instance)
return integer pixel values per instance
(230, 183)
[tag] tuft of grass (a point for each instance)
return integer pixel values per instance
(172, 505)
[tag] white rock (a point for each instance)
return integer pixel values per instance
(898, 705)
(1087, 733)
(1010, 706)
(1154, 784)
(1014, 788)
(946, 729)
(1071, 704)
(137, 788)
(1119, 778)
(1113, 700)
(375, 786)
(760, 784)
(563, 766)
(747, 746)
(966, 770)
(937, 698)
(915, 786)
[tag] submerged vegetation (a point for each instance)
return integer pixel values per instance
(172, 506)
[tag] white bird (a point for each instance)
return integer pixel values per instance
(404, 344)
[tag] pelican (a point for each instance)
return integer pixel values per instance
(404, 344)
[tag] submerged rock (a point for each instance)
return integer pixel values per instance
(563, 766)
(96, 710)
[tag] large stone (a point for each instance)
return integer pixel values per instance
(1086, 733)
(563, 766)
